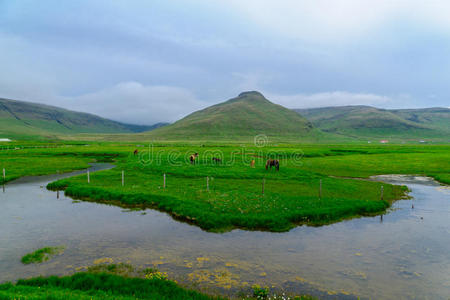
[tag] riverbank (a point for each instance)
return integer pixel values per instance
(400, 255)
(221, 196)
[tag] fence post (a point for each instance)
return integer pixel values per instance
(382, 192)
(88, 177)
(164, 180)
(320, 189)
(207, 183)
(263, 182)
(123, 177)
(4, 179)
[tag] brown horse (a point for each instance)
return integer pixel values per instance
(135, 152)
(193, 157)
(273, 163)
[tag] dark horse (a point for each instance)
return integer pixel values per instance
(135, 152)
(216, 160)
(193, 157)
(273, 163)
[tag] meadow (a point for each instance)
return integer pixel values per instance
(222, 196)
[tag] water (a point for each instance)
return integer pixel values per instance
(404, 255)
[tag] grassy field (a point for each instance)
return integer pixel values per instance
(234, 198)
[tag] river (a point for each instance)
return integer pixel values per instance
(403, 255)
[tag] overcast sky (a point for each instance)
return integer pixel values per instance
(150, 61)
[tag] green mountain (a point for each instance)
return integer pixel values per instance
(370, 122)
(19, 119)
(243, 117)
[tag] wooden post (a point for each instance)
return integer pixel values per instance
(207, 183)
(263, 182)
(4, 175)
(88, 177)
(123, 177)
(164, 180)
(320, 189)
(382, 192)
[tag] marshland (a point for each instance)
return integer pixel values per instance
(197, 149)
(224, 236)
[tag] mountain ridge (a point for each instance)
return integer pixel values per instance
(246, 115)
(30, 119)
(367, 121)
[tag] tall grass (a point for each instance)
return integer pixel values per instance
(97, 286)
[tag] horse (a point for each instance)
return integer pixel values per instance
(252, 163)
(135, 152)
(273, 163)
(216, 160)
(193, 157)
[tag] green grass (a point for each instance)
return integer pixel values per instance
(235, 199)
(442, 177)
(42, 255)
(97, 286)
(434, 164)
(35, 159)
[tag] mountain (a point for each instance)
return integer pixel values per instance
(20, 119)
(245, 116)
(371, 122)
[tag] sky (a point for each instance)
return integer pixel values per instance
(144, 62)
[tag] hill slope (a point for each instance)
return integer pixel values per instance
(19, 119)
(247, 115)
(371, 122)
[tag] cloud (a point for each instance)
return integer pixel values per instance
(135, 103)
(337, 19)
(144, 56)
(129, 102)
(337, 98)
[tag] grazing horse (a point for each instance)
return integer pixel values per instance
(216, 160)
(193, 157)
(135, 152)
(273, 163)
(252, 163)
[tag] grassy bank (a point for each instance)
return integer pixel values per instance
(97, 286)
(232, 203)
(122, 282)
(234, 197)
